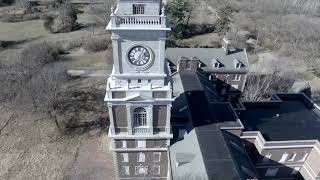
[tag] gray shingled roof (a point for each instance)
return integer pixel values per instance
(207, 155)
(208, 56)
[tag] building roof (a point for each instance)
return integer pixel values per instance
(208, 56)
(286, 117)
(206, 154)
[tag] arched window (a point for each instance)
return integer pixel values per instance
(140, 117)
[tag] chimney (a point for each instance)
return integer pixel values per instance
(188, 65)
(226, 44)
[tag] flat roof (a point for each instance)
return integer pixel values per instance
(290, 117)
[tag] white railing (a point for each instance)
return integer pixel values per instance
(127, 20)
(141, 130)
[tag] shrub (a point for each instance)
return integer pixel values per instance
(37, 55)
(64, 22)
(96, 44)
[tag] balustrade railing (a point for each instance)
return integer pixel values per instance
(127, 20)
(140, 131)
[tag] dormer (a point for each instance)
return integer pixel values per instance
(237, 64)
(216, 63)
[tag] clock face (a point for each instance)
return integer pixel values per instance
(139, 56)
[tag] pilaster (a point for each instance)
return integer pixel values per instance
(111, 119)
(116, 52)
(168, 124)
(150, 119)
(162, 44)
(129, 118)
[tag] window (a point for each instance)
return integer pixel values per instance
(213, 77)
(271, 172)
(129, 80)
(267, 157)
(125, 157)
(141, 170)
(141, 143)
(140, 117)
(138, 8)
(125, 170)
(237, 77)
(124, 144)
(284, 158)
(156, 157)
(304, 158)
(216, 65)
(141, 157)
(292, 156)
(156, 170)
(139, 81)
(238, 65)
(149, 80)
(295, 170)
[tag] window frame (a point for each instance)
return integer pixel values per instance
(141, 157)
(125, 157)
(138, 9)
(126, 170)
(158, 167)
(155, 154)
(140, 118)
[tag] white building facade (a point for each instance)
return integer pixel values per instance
(139, 92)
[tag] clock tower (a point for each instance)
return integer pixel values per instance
(139, 92)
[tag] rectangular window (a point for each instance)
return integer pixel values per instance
(149, 80)
(141, 143)
(125, 157)
(141, 157)
(156, 170)
(125, 170)
(284, 158)
(237, 77)
(124, 144)
(292, 156)
(138, 8)
(271, 172)
(304, 158)
(140, 170)
(156, 157)
(238, 65)
(139, 81)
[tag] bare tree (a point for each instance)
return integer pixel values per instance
(46, 90)
(100, 10)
